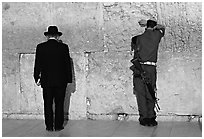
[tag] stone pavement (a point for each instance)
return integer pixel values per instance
(101, 128)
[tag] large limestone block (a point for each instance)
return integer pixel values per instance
(77, 108)
(23, 25)
(180, 84)
(30, 94)
(10, 82)
(109, 84)
(183, 23)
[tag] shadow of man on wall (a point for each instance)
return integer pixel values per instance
(71, 88)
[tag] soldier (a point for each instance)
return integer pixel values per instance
(145, 47)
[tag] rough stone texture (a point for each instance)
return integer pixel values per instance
(81, 24)
(179, 84)
(99, 37)
(30, 94)
(183, 26)
(109, 84)
(10, 82)
(23, 24)
(77, 89)
(120, 23)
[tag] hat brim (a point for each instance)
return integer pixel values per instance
(48, 33)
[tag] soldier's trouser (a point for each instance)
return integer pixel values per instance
(145, 102)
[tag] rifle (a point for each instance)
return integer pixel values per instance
(146, 80)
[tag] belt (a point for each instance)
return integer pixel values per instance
(149, 63)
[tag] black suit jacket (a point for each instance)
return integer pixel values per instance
(52, 64)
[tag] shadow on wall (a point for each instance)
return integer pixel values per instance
(71, 88)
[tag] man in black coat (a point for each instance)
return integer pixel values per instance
(52, 71)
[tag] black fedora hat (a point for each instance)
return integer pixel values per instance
(52, 30)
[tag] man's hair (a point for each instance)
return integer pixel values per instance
(52, 35)
(151, 23)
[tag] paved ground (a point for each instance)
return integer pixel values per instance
(100, 128)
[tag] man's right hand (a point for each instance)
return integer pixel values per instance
(142, 23)
(159, 26)
(38, 83)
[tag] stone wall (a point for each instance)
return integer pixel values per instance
(98, 35)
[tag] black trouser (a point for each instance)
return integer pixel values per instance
(145, 102)
(57, 94)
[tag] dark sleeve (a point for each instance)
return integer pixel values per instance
(134, 39)
(161, 29)
(133, 43)
(37, 68)
(68, 64)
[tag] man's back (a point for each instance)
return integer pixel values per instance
(54, 63)
(148, 43)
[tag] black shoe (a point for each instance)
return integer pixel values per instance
(153, 122)
(59, 129)
(49, 129)
(145, 122)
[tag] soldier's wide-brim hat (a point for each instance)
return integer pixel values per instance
(52, 30)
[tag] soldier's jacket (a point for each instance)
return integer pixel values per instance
(147, 44)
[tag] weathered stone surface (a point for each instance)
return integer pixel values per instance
(31, 100)
(109, 84)
(183, 26)
(121, 22)
(179, 84)
(81, 24)
(23, 26)
(103, 81)
(10, 82)
(77, 89)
